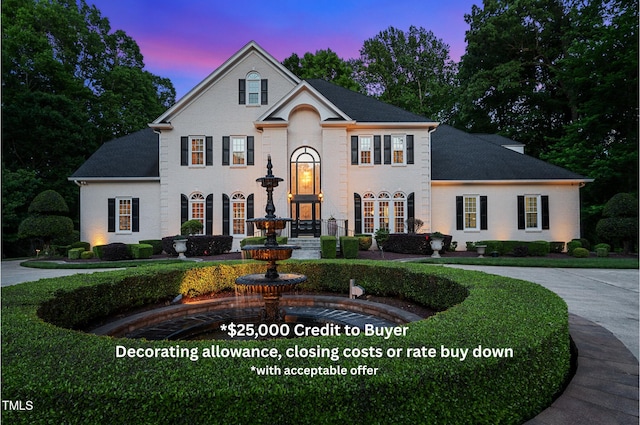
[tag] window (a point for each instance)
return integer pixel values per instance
(238, 209)
(397, 149)
(531, 212)
(124, 215)
(197, 150)
(368, 211)
(384, 212)
(238, 150)
(471, 211)
(253, 88)
(196, 208)
(366, 148)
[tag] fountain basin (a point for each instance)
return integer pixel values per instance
(271, 253)
(270, 223)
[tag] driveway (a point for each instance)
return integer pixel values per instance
(607, 297)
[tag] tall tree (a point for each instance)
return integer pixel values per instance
(68, 84)
(325, 65)
(412, 70)
(560, 76)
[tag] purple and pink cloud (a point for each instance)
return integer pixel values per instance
(185, 41)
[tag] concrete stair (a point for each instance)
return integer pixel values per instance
(309, 248)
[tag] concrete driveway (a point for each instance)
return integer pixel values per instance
(607, 297)
(12, 273)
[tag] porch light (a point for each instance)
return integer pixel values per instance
(321, 196)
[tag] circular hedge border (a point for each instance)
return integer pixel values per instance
(74, 377)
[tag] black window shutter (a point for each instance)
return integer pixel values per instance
(411, 206)
(264, 92)
(459, 213)
(209, 153)
(225, 149)
(357, 212)
(225, 214)
(184, 150)
(184, 208)
(354, 150)
(241, 91)
(377, 150)
(521, 224)
(111, 214)
(208, 215)
(250, 150)
(409, 148)
(249, 214)
(387, 149)
(544, 200)
(135, 214)
(483, 213)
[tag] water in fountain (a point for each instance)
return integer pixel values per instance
(272, 284)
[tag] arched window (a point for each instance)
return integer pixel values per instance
(238, 212)
(384, 212)
(305, 172)
(196, 207)
(253, 88)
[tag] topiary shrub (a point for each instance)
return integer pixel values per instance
(364, 242)
(115, 252)
(80, 244)
(74, 253)
(572, 245)
(328, 246)
(349, 246)
(580, 252)
(191, 227)
(87, 255)
(141, 250)
(46, 220)
(620, 222)
(97, 250)
(155, 243)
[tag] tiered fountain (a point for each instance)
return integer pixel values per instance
(272, 284)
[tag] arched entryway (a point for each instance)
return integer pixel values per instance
(306, 192)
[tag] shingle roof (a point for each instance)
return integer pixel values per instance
(456, 155)
(363, 108)
(134, 155)
(497, 139)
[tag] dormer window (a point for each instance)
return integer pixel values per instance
(253, 90)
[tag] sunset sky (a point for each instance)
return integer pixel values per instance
(187, 40)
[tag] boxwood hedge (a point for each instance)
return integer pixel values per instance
(74, 377)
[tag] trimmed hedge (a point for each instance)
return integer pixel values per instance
(364, 242)
(413, 243)
(115, 252)
(74, 253)
(200, 245)
(155, 243)
(580, 253)
(572, 245)
(517, 248)
(349, 246)
(328, 246)
(141, 250)
(75, 378)
(87, 255)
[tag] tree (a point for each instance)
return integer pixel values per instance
(411, 70)
(620, 222)
(68, 84)
(325, 65)
(560, 76)
(47, 218)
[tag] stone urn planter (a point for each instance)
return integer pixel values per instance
(180, 245)
(480, 249)
(332, 226)
(436, 240)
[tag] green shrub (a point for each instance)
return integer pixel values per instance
(87, 255)
(116, 251)
(155, 243)
(141, 250)
(572, 245)
(191, 227)
(603, 246)
(602, 252)
(97, 250)
(80, 244)
(580, 252)
(539, 248)
(556, 247)
(328, 246)
(74, 253)
(50, 364)
(349, 246)
(364, 242)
